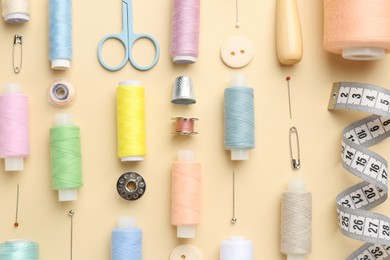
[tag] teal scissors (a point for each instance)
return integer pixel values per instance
(128, 37)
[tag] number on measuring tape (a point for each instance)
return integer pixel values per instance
(369, 99)
(359, 199)
(376, 128)
(353, 204)
(357, 225)
(383, 102)
(355, 95)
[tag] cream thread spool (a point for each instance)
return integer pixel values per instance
(296, 213)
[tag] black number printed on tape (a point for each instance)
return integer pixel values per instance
(353, 204)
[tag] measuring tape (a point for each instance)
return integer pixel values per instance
(355, 220)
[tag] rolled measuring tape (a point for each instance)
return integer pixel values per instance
(131, 186)
(353, 204)
(61, 93)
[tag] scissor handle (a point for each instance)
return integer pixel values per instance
(136, 37)
(122, 39)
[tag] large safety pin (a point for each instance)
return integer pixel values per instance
(296, 162)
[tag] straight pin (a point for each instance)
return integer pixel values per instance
(71, 214)
(289, 96)
(234, 219)
(237, 17)
(16, 224)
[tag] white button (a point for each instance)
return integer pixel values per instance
(187, 252)
(237, 52)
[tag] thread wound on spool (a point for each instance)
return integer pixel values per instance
(14, 129)
(236, 248)
(185, 125)
(131, 122)
(19, 249)
(186, 186)
(185, 31)
(16, 11)
(296, 227)
(346, 28)
(126, 243)
(65, 155)
(60, 25)
(239, 124)
(61, 94)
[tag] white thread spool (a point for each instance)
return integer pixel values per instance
(16, 11)
(296, 221)
(236, 248)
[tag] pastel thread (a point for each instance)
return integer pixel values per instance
(65, 156)
(14, 128)
(19, 250)
(126, 244)
(357, 36)
(236, 248)
(131, 121)
(60, 34)
(16, 11)
(185, 31)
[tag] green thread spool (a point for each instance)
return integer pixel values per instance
(65, 156)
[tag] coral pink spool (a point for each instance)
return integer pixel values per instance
(14, 129)
(358, 30)
(186, 184)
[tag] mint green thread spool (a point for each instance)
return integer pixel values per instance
(65, 156)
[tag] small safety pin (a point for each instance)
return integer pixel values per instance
(296, 162)
(17, 41)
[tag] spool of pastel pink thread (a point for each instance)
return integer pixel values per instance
(14, 129)
(186, 197)
(185, 31)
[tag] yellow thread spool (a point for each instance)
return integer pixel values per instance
(130, 98)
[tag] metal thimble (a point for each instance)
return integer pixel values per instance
(183, 92)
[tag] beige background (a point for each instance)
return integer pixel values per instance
(260, 181)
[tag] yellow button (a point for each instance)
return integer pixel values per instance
(237, 52)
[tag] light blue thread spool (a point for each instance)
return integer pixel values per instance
(19, 250)
(239, 123)
(126, 240)
(60, 24)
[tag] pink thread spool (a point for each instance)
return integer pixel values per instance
(185, 31)
(14, 129)
(186, 185)
(185, 125)
(359, 30)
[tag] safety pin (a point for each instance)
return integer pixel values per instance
(17, 41)
(296, 162)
